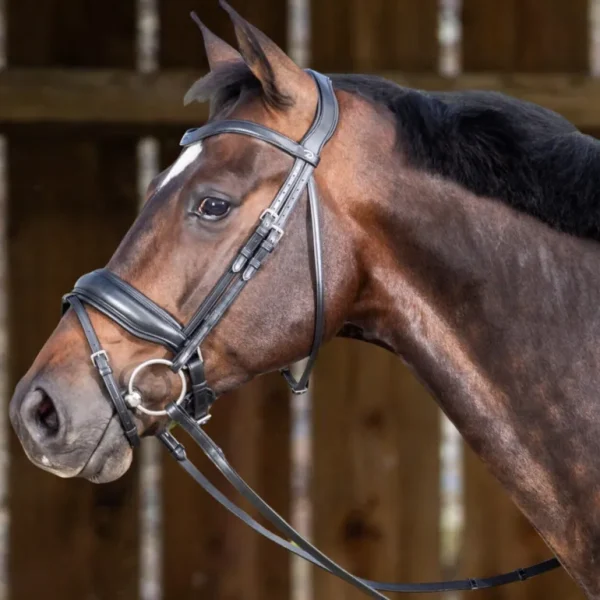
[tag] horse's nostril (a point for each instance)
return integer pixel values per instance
(46, 415)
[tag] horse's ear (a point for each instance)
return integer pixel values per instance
(218, 51)
(283, 81)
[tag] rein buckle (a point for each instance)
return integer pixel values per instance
(94, 357)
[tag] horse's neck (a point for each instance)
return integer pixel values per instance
(498, 315)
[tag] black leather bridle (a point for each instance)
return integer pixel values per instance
(144, 319)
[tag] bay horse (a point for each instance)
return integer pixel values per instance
(460, 232)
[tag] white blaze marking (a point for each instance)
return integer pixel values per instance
(186, 158)
(45, 461)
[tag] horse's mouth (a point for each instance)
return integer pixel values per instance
(111, 458)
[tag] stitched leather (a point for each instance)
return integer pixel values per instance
(100, 360)
(301, 385)
(131, 309)
(254, 130)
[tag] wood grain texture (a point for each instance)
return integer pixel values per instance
(128, 99)
(375, 484)
(547, 36)
(489, 36)
(70, 203)
(359, 36)
(181, 43)
(81, 537)
(216, 555)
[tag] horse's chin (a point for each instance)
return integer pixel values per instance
(112, 457)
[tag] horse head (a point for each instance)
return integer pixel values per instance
(197, 216)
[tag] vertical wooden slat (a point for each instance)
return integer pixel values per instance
(216, 556)
(181, 44)
(526, 35)
(69, 205)
(489, 35)
(378, 35)
(375, 484)
(70, 202)
(534, 36)
(553, 36)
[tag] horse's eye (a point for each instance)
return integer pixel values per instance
(214, 209)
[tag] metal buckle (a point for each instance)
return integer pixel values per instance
(269, 211)
(95, 355)
(279, 233)
(300, 391)
(274, 215)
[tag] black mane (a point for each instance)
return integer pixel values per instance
(519, 153)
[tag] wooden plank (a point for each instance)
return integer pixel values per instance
(81, 537)
(553, 36)
(32, 96)
(126, 98)
(70, 202)
(375, 483)
(363, 36)
(71, 33)
(489, 35)
(217, 556)
(538, 36)
(181, 43)
(526, 35)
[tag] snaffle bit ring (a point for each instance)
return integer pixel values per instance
(133, 396)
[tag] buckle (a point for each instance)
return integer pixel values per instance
(96, 355)
(279, 233)
(274, 215)
(269, 212)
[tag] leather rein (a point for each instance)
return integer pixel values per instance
(140, 316)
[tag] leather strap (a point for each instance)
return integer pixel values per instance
(301, 547)
(300, 386)
(216, 456)
(202, 395)
(100, 360)
(268, 234)
(326, 120)
(127, 306)
(255, 130)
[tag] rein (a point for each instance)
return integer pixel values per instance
(141, 317)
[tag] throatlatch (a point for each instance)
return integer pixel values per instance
(143, 318)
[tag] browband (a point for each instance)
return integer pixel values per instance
(254, 130)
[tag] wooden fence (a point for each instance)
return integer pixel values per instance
(73, 109)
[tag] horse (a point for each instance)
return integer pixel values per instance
(459, 231)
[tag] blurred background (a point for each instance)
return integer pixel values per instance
(90, 109)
